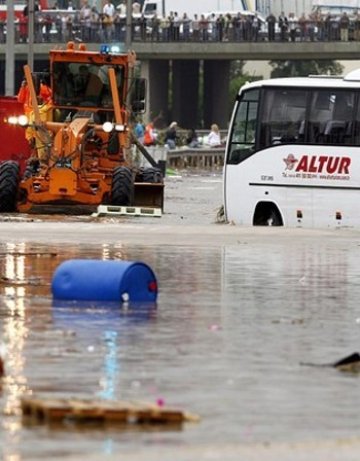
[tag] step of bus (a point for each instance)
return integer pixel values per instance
(114, 210)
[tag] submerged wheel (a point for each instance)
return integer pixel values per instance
(267, 214)
(9, 182)
(153, 175)
(122, 188)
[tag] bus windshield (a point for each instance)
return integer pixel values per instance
(242, 136)
(84, 85)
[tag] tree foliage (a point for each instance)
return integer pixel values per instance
(238, 78)
(297, 68)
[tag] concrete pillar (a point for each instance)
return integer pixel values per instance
(216, 93)
(185, 92)
(156, 73)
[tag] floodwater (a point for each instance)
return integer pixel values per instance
(226, 340)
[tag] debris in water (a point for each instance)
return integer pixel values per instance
(160, 402)
(47, 411)
(351, 363)
(31, 281)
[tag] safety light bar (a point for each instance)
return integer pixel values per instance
(112, 49)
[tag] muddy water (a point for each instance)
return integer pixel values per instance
(226, 340)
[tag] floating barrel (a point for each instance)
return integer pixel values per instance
(98, 280)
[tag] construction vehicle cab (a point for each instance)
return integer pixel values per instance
(80, 140)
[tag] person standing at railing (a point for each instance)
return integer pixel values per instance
(303, 27)
(94, 25)
(109, 15)
(255, 28)
(311, 27)
(344, 27)
(155, 28)
(293, 23)
(176, 26)
(186, 22)
(357, 27)
(220, 25)
(283, 26)
(271, 21)
(85, 21)
(203, 26)
(164, 27)
(195, 28)
(320, 24)
(23, 28)
(212, 27)
(142, 23)
(229, 29)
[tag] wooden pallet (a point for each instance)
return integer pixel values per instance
(113, 210)
(47, 411)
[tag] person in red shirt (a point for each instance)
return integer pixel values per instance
(149, 137)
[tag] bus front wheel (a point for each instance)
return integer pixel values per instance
(267, 214)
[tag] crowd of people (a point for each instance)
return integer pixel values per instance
(86, 23)
(172, 137)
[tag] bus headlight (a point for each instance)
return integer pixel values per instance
(108, 127)
(23, 120)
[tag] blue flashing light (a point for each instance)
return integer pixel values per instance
(115, 48)
(104, 49)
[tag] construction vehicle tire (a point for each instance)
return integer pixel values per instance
(122, 188)
(9, 182)
(152, 175)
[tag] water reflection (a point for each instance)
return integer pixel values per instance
(226, 340)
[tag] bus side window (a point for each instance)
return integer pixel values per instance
(331, 115)
(282, 117)
(356, 127)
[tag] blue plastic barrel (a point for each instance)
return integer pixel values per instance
(98, 280)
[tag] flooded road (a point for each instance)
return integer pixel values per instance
(238, 312)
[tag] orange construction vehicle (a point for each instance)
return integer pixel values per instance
(80, 141)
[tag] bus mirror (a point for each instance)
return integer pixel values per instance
(138, 96)
(138, 107)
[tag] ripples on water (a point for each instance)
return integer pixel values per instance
(225, 341)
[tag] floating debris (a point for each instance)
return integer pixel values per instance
(220, 216)
(35, 281)
(350, 363)
(30, 253)
(47, 411)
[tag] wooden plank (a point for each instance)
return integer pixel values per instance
(47, 411)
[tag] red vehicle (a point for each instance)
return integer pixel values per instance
(19, 6)
(18, 149)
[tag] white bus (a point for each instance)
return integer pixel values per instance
(293, 153)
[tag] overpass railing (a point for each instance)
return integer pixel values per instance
(61, 28)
